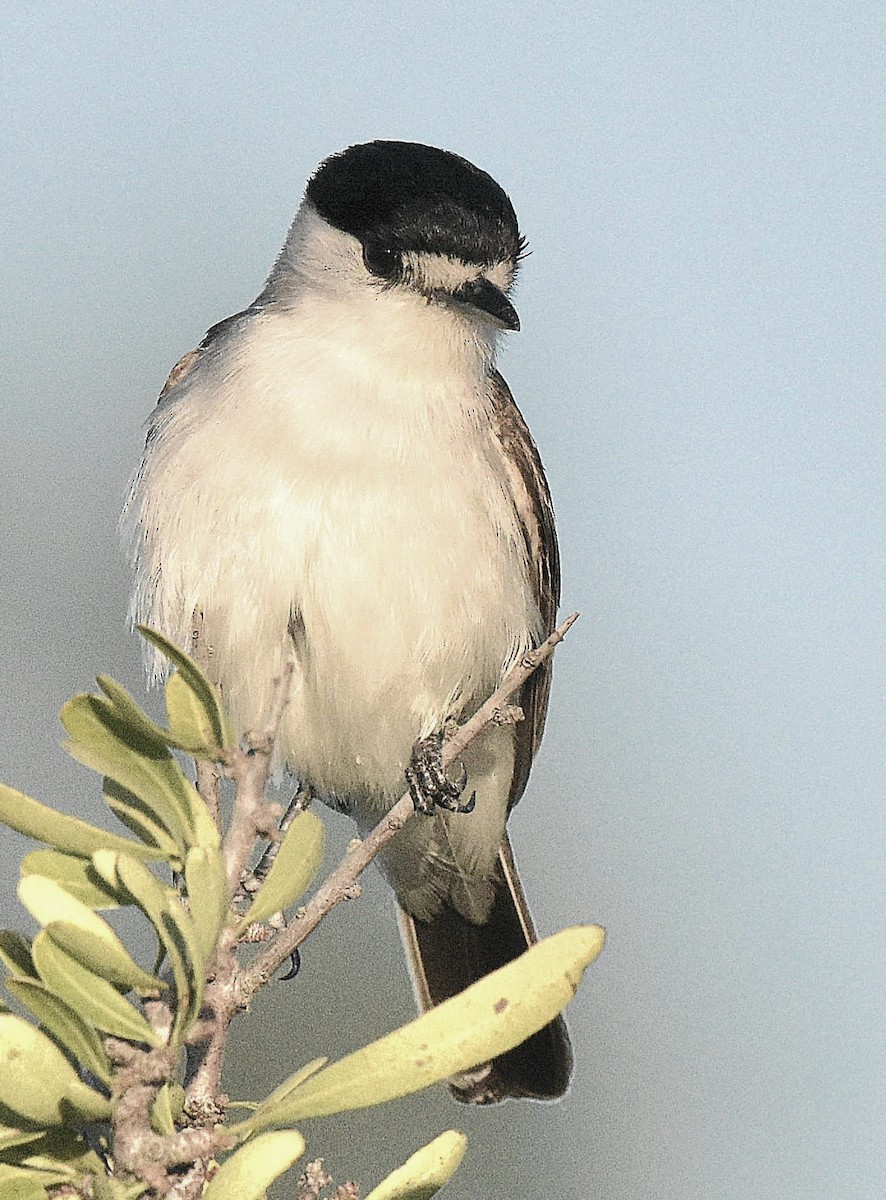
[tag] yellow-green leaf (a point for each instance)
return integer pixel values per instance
(111, 963)
(138, 817)
(205, 692)
(65, 1025)
(105, 1188)
(97, 1001)
(11, 1136)
(190, 724)
(129, 712)
(426, 1171)
(167, 1107)
(38, 1082)
(76, 875)
(17, 1183)
(296, 864)
(82, 933)
(208, 900)
(44, 824)
(254, 1167)
(176, 931)
(102, 739)
(292, 1082)
(15, 953)
(487, 1019)
(59, 1148)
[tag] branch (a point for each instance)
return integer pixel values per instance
(250, 769)
(341, 884)
(138, 1149)
(252, 817)
(208, 774)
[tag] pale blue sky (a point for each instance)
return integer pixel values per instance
(701, 362)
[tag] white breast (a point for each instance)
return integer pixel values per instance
(298, 474)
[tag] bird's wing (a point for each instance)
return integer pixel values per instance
(532, 504)
(188, 362)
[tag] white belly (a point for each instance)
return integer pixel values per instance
(372, 511)
(412, 602)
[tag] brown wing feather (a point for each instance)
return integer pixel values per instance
(532, 503)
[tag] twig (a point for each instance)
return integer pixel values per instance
(314, 1180)
(341, 883)
(208, 774)
(252, 816)
(250, 769)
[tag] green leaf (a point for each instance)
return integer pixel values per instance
(83, 934)
(487, 1019)
(15, 953)
(175, 928)
(130, 713)
(289, 1085)
(167, 1107)
(298, 858)
(76, 875)
(59, 1149)
(93, 998)
(114, 964)
(11, 1136)
(16, 1183)
(132, 811)
(190, 723)
(205, 693)
(44, 824)
(104, 1188)
(38, 1082)
(65, 1025)
(102, 739)
(426, 1171)
(254, 1167)
(208, 900)
(191, 730)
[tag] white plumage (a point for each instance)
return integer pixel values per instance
(325, 477)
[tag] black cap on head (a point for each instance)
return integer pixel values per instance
(406, 196)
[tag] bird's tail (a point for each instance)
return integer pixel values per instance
(449, 953)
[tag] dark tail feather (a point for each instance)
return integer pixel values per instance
(449, 953)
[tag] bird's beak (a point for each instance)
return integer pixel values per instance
(482, 294)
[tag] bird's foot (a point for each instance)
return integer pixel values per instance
(429, 785)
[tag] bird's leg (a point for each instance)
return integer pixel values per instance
(299, 802)
(429, 785)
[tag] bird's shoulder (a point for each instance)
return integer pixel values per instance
(215, 337)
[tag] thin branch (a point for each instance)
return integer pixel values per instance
(496, 706)
(252, 817)
(250, 769)
(341, 884)
(208, 774)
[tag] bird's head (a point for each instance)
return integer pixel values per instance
(408, 219)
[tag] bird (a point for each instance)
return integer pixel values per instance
(339, 476)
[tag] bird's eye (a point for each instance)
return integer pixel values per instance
(385, 264)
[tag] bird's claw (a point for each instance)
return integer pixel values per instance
(429, 785)
(294, 966)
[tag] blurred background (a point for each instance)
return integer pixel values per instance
(701, 364)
